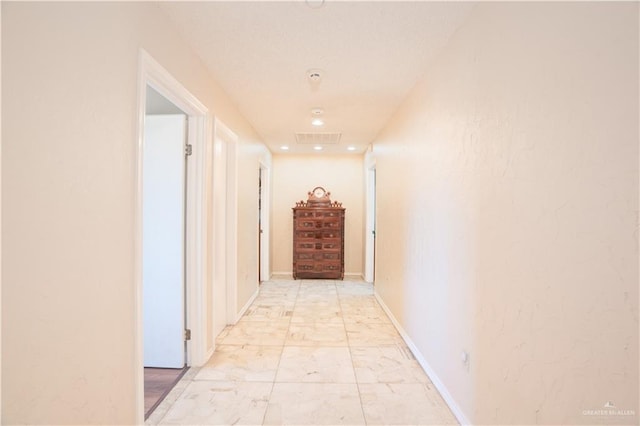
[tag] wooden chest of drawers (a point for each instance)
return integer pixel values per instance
(318, 238)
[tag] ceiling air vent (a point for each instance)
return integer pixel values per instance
(318, 138)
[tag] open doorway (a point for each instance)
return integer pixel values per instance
(165, 165)
(170, 219)
(370, 225)
(263, 224)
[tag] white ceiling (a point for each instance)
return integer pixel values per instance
(370, 53)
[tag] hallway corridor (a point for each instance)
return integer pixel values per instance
(308, 352)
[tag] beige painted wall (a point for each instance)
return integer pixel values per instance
(507, 213)
(293, 177)
(69, 77)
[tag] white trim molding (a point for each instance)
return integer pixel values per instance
(354, 275)
(264, 273)
(245, 308)
(453, 405)
(225, 187)
(370, 218)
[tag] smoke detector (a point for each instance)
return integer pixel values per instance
(314, 76)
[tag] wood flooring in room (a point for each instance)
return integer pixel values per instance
(157, 384)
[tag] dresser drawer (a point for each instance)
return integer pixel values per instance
(332, 245)
(318, 245)
(305, 213)
(331, 267)
(331, 234)
(316, 234)
(336, 256)
(307, 235)
(308, 245)
(306, 224)
(331, 214)
(311, 266)
(318, 256)
(315, 256)
(308, 266)
(331, 224)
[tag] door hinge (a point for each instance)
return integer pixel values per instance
(188, 150)
(187, 334)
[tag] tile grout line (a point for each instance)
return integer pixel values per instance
(349, 310)
(355, 376)
(284, 343)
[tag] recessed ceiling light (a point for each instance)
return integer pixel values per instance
(317, 148)
(317, 122)
(351, 148)
(284, 147)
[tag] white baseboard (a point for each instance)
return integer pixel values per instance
(210, 352)
(357, 275)
(453, 405)
(246, 306)
(289, 275)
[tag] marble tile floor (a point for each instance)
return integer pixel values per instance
(308, 352)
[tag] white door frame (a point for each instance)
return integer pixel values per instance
(225, 143)
(218, 253)
(264, 274)
(151, 73)
(370, 215)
